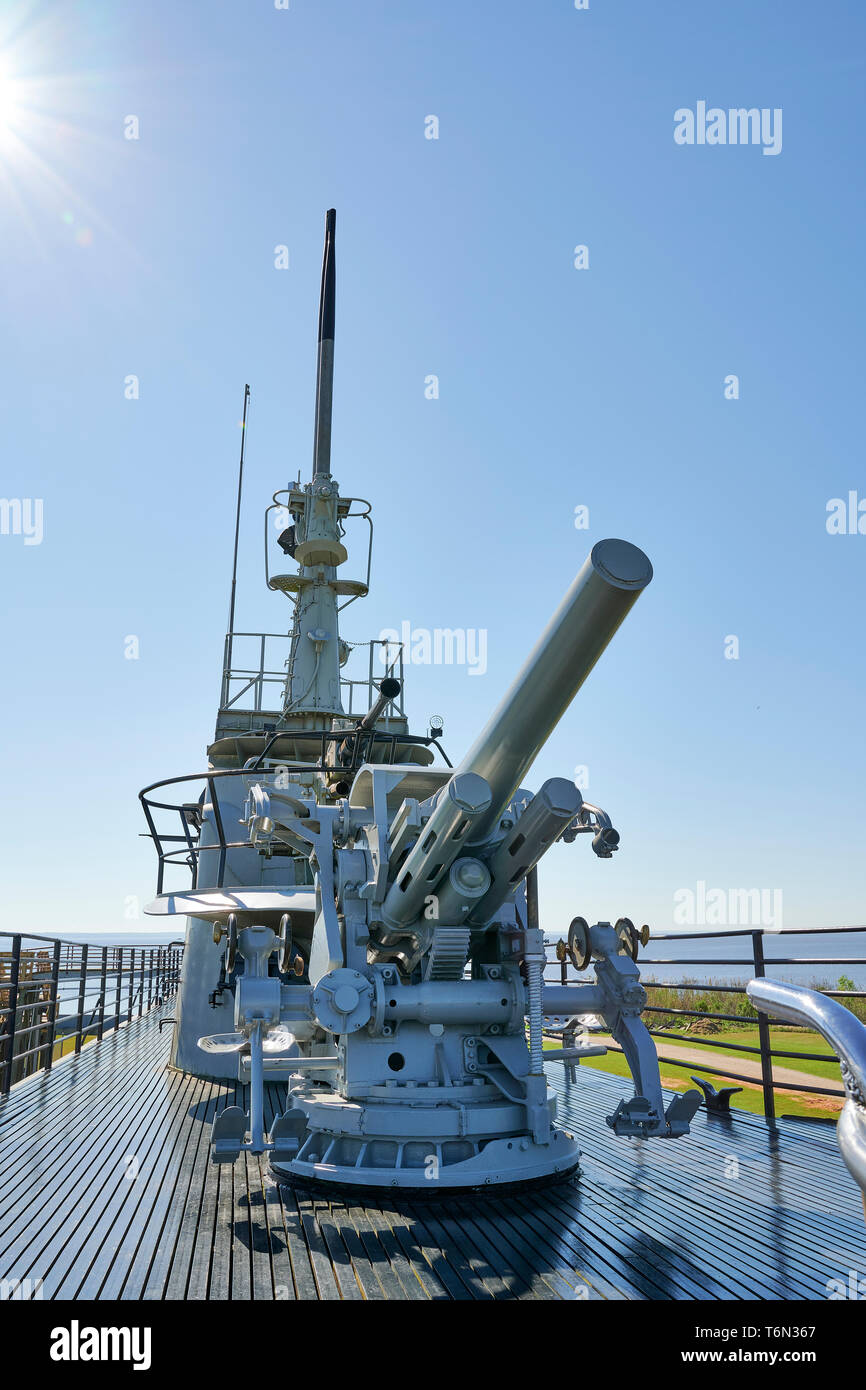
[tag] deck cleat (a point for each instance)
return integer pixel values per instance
(716, 1102)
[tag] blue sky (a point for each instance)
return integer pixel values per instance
(559, 387)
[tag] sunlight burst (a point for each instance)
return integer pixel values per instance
(10, 103)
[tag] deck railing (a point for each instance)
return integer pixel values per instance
(756, 964)
(58, 995)
(340, 750)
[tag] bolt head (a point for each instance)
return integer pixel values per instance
(346, 999)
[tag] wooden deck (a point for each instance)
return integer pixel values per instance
(107, 1192)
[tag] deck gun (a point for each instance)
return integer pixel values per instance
(417, 1041)
(412, 1039)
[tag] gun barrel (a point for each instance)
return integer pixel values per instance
(389, 689)
(325, 363)
(601, 595)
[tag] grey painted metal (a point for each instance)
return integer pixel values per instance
(389, 689)
(540, 825)
(325, 364)
(847, 1037)
(603, 592)
(410, 904)
(458, 808)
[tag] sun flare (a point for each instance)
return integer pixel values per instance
(52, 151)
(10, 102)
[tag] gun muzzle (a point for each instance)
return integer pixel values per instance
(605, 589)
(389, 689)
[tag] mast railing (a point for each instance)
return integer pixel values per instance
(255, 674)
(261, 671)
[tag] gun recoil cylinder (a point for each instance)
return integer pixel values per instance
(458, 806)
(550, 811)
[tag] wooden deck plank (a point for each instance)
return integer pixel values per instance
(428, 1259)
(198, 1165)
(36, 1150)
(135, 1249)
(130, 1282)
(140, 1148)
(216, 1265)
(303, 1274)
(388, 1261)
(50, 1221)
(434, 1225)
(645, 1219)
(176, 1231)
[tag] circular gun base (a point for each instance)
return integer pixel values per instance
(501, 1165)
(429, 1192)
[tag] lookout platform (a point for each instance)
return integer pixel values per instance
(107, 1192)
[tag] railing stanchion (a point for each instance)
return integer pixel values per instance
(764, 1041)
(51, 1011)
(118, 967)
(82, 989)
(103, 984)
(30, 986)
(8, 1038)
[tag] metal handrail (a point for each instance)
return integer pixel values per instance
(361, 745)
(758, 963)
(258, 676)
(847, 1037)
(32, 1021)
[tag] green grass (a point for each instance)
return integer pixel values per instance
(781, 1040)
(749, 1099)
(698, 996)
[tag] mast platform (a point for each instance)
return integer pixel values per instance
(107, 1192)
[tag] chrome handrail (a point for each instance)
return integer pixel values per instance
(847, 1037)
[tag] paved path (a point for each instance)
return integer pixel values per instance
(700, 1057)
